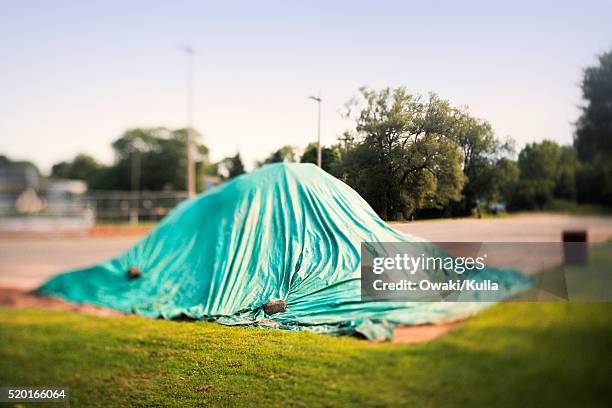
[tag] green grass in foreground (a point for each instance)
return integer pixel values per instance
(513, 354)
(523, 354)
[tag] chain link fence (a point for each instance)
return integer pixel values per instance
(132, 206)
(46, 211)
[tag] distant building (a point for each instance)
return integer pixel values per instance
(29, 202)
(17, 176)
(209, 182)
(64, 187)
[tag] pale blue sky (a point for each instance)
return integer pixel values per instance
(74, 75)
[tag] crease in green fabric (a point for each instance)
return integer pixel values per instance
(285, 231)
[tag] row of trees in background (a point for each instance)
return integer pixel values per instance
(593, 139)
(581, 172)
(413, 155)
(147, 159)
(407, 155)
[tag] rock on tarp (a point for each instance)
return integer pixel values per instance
(287, 232)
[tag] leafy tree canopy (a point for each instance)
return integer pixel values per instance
(593, 138)
(231, 167)
(547, 171)
(154, 158)
(404, 153)
(330, 156)
(481, 150)
(286, 154)
(82, 167)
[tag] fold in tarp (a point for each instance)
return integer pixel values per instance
(286, 232)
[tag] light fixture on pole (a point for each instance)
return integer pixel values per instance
(318, 99)
(189, 51)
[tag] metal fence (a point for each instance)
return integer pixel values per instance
(54, 212)
(132, 206)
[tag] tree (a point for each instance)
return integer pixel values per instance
(568, 168)
(153, 159)
(405, 155)
(505, 179)
(285, 154)
(481, 150)
(593, 137)
(547, 171)
(18, 174)
(539, 164)
(82, 167)
(330, 156)
(232, 166)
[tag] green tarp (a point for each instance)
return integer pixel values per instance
(284, 232)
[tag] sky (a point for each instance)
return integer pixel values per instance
(75, 75)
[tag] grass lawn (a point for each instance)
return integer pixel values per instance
(513, 354)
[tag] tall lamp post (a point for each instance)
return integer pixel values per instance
(189, 52)
(318, 100)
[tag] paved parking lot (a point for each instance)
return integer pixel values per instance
(26, 263)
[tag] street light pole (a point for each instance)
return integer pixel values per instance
(134, 201)
(189, 51)
(318, 99)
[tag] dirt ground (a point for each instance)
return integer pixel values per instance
(21, 299)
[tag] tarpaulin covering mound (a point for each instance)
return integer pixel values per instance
(286, 232)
